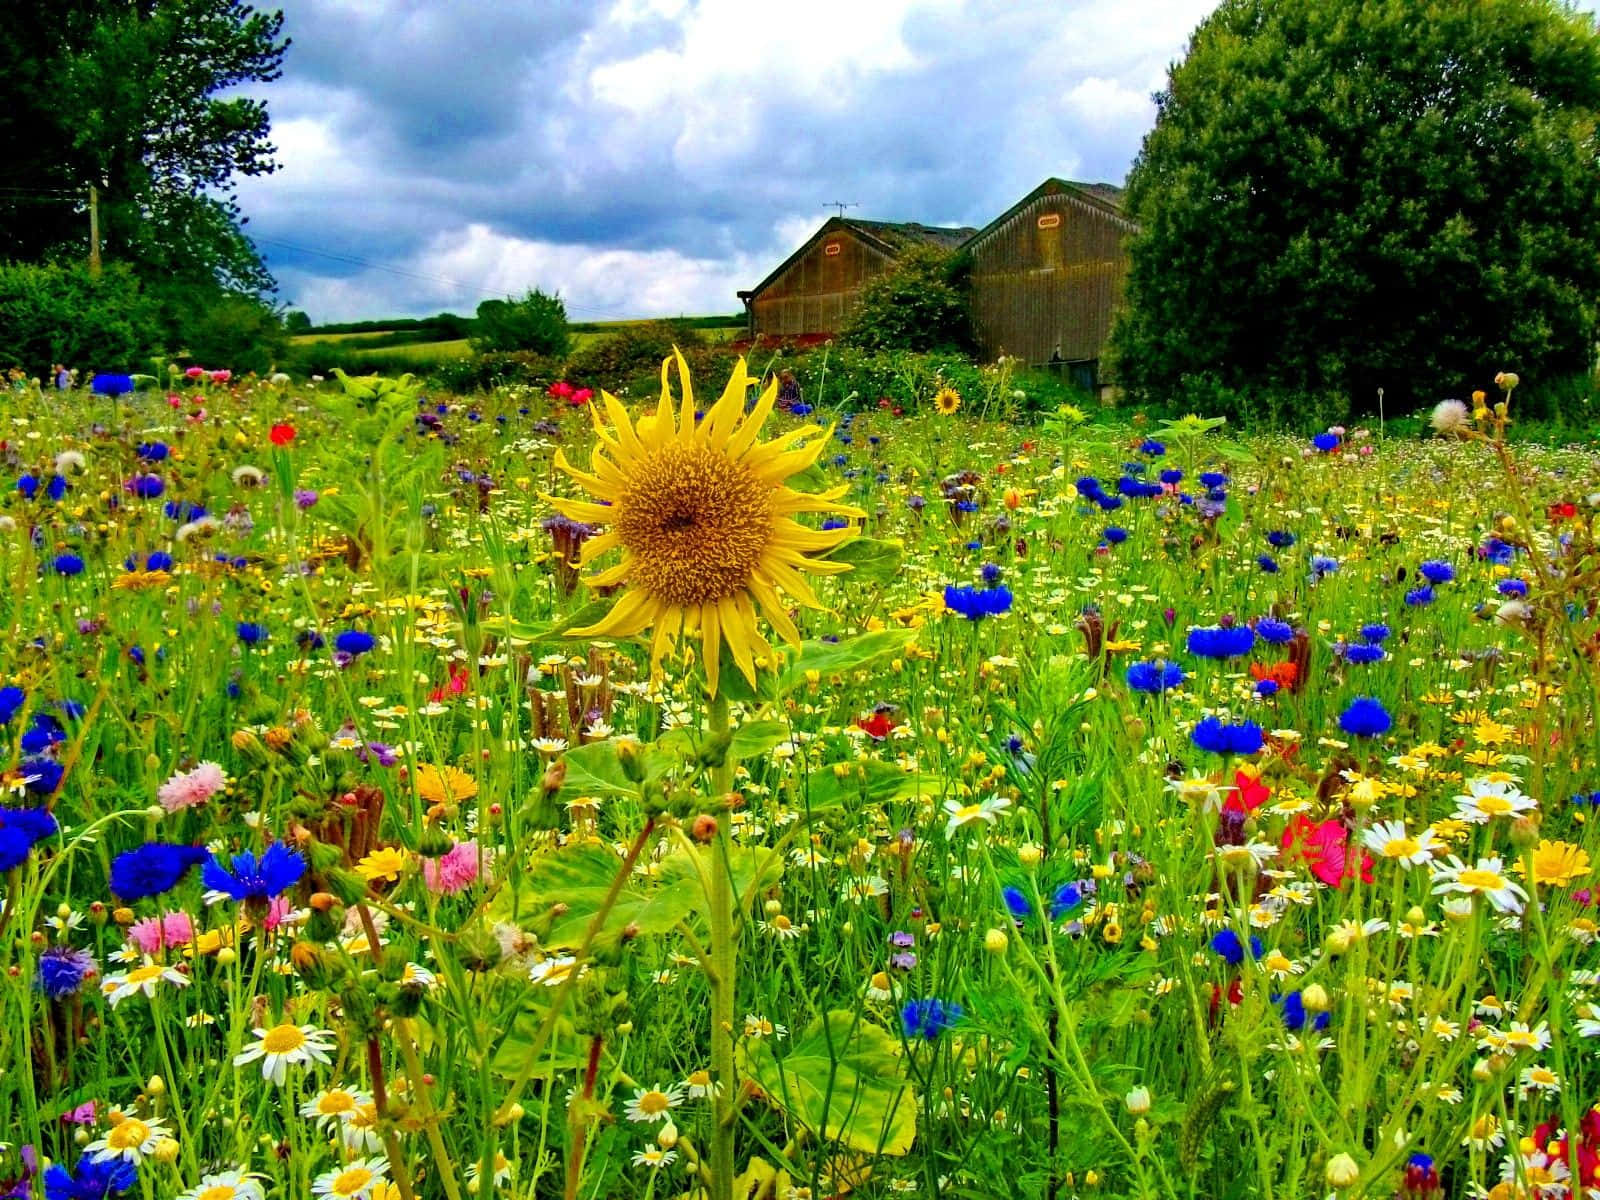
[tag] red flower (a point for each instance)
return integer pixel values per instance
(561, 389)
(1563, 511)
(1248, 793)
(580, 397)
(877, 725)
(1325, 849)
(282, 434)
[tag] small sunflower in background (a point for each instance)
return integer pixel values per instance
(947, 400)
(704, 520)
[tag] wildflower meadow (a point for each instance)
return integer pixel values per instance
(543, 793)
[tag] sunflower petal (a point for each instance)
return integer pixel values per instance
(633, 612)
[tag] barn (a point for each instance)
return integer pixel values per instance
(1047, 276)
(813, 291)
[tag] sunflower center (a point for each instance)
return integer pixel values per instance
(283, 1039)
(696, 523)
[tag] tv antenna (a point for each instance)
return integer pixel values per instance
(841, 205)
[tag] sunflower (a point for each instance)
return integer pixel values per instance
(947, 400)
(704, 520)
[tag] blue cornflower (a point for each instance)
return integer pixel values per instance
(111, 385)
(1419, 597)
(1376, 632)
(1365, 717)
(354, 641)
(147, 487)
(1326, 443)
(1108, 503)
(977, 603)
(929, 1018)
(1512, 587)
(21, 829)
(153, 868)
(1088, 487)
(1064, 899)
(1172, 476)
(1114, 534)
(1436, 570)
(834, 523)
(800, 410)
(67, 564)
(44, 732)
(1362, 653)
(63, 971)
(1267, 563)
(1278, 633)
(1152, 447)
(11, 701)
(1498, 552)
(1212, 479)
(251, 633)
(991, 573)
(1282, 539)
(309, 640)
(158, 560)
(1017, 902)
(1267, 688)
(1293, 1009)
(1214, 736)
(42, 776)
(1220, 641)
(1322, 565)
(278, 869)
(28, 485)
(1154, 677)
(56, 488)
(1227, 944)
(153, 451)
(95, 1178)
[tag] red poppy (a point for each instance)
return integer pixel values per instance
(561, 389)
(580, 397)
(1563, 511)
(877, 725)
(282, 434)
(1284, 674)
(1325, 849)
(456, 685)
(1248, 793)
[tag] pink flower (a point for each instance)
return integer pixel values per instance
(195, 372)
(221, 376)
(454, 870)
(1324, 848)
(279, 910)
(193, 789)
(154, 934)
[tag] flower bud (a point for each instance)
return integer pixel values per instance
(1315, 998)
(1342, 1171)
(1137, 1101)
(996, 941)
(1029, 854)
(156, 1086)
(667, 1138)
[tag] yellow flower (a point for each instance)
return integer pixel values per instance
(384, 863)
(444, 785)
(704, 521)
(1559, 863)
(947, 400)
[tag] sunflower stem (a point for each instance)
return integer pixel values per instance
(723, 947)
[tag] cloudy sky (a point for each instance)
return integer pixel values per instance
(651, 157)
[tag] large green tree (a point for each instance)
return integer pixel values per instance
(1343, 195)
(143, 99)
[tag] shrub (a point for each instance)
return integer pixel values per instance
(53, 313)
(918, 305)
(621, 359)
(485, 372)
(241, 333)
(537, 323)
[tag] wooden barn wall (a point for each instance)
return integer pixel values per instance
(1051, 274)
(819, 290)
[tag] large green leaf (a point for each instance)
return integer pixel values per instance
(565, 1051)
(844, 1080)
(596, 770)
(872, 560)
(750, 867)
(846, 784)
(837, 658)
(522, 631)
(569, 887)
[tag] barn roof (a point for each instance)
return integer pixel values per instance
(1107, 197)
(892, 238)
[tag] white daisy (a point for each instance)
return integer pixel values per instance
(283, 1044)
(131, 1138)
(354, 1180)
(654, 1104)
(1389, 839)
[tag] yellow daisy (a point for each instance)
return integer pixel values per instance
(704, 520)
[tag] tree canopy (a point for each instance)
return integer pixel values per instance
(142, 99)
(1342, 195)
(920, 303)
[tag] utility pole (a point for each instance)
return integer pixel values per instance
(94, 230)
